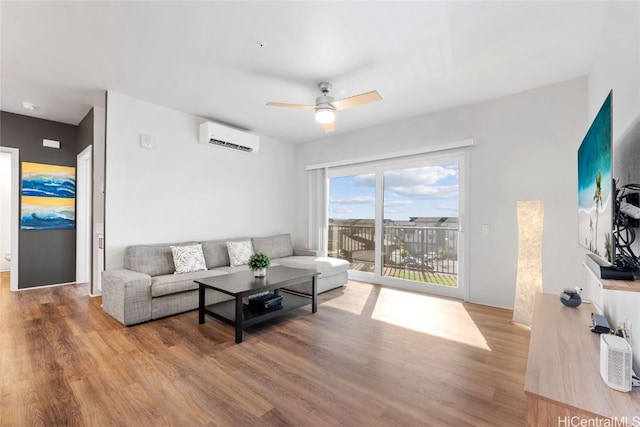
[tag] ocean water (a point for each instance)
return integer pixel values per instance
(35, 223)
(49, 185)
(46, 218)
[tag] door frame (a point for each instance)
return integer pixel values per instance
(84, 221)
(378, 167)
(15, 214)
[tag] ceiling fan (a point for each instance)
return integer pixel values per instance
(326, 106)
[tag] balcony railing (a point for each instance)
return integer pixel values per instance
(424, 254)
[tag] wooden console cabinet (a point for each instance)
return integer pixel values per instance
(563, 383)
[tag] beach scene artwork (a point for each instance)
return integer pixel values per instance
(594, 185)
(47, 196)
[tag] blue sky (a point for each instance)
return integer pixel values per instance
(424, 191)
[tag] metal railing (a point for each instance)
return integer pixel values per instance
(414, 253)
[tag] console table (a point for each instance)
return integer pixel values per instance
(563, 381)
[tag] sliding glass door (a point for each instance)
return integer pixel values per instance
(399, 223)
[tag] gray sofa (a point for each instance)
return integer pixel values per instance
(147, 288)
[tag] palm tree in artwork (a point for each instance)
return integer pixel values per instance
(597, 197)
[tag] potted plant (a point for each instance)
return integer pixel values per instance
(259, 263)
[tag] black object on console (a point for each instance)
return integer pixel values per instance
(616, 273)
(570, 297)
(600, 324)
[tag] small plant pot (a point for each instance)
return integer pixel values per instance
(261, 272)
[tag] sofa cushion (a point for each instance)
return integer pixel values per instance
(154, 260)
(244, 267)
(239, 252)
(172, 284)
(274, 246)
(188, 259)
(235, 269)
(326, 266)
(216, 253)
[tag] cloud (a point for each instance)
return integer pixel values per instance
(428, 191)
(392, 203)
(356, 200)
(419, 182)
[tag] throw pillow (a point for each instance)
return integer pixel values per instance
(188, 258)
(239, 252)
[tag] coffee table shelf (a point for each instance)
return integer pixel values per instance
(226, 311)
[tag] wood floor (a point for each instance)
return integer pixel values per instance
(370, 356)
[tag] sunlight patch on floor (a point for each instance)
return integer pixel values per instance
(350, 301)
(444, 318)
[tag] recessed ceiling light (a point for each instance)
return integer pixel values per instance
(29, 106)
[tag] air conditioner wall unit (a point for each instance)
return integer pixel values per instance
(223, 136)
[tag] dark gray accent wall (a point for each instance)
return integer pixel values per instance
(85, 132)
(46, 256)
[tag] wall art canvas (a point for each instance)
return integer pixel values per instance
(595, 185)
(48, 197)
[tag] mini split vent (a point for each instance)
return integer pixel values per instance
(214, 134)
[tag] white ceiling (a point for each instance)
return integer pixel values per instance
(205, 58)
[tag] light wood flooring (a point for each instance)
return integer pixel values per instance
(370, 356)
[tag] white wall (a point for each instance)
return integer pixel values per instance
(617, 67)
(5, 209)
(526, 150)
(182, 190)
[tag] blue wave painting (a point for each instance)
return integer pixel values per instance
(41, 213)
(49, 186)
(48, 197)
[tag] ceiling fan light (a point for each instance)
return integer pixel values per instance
(325, 115)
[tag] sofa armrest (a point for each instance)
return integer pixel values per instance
(307, 252)
(126, 295)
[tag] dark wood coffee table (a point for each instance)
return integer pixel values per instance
(244, 284)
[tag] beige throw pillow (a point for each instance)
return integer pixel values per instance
(188, 258)
(239, 252)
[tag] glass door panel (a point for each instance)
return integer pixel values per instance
(351, 228)
(421, 224)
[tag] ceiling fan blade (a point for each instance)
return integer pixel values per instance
(354, 101)
(329, 127)
(284, 104)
